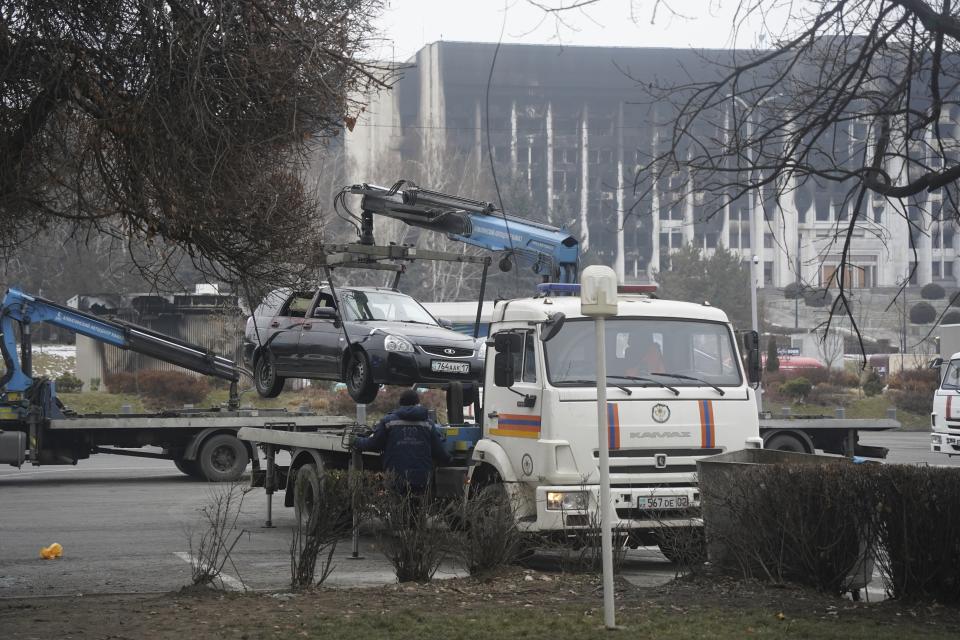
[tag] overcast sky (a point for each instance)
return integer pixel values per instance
(407, 25)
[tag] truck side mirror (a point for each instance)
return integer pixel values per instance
(505, 343)
(751, 343)
(936, 363)
(503, 373)
(552, 326)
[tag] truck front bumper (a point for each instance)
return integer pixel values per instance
(633, 508)
(948, 443)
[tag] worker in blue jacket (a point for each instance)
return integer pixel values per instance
(410, 443)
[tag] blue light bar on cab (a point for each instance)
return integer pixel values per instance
(573, 289)
(558, 289)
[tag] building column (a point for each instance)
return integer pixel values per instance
(619, 265)
(513, 139)
(549, 159)
(584, 180)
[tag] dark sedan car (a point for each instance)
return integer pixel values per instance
(392, 340)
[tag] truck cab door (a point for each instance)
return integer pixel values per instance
(512, 414)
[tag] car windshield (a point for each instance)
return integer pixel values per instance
(951, 379)
(684, 352)
(383, 305)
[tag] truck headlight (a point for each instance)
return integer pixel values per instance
(936, 439)
(396, 343)
(567, 500)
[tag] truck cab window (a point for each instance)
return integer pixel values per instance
(525, 361)
(951, 379)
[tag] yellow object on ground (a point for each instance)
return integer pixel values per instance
(53, 551)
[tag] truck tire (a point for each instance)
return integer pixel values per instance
(188, 467)
(222, 458)
(359, 378)
(306, 498)
(265, 378)
(786, 442)
(685, 546)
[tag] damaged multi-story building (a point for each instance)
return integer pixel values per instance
(568, 127)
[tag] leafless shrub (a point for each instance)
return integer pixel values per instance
(918, 516)
(211, 547)
(684, 546)
(341, 501)
(415, 538)
(806, 524)
(488, 536)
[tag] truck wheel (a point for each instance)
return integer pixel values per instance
(359, 377)
(265, 378)
(685, 546)
(785, 442)
(223, 458)
(306, 498)
(188, 467)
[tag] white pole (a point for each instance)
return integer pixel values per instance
(603, 425)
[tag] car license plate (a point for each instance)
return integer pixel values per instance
(442, 366)
(663, 502)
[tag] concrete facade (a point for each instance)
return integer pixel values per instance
(568, 126)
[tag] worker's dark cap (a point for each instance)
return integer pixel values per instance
(409, 398)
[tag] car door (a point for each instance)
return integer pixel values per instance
(286, 326)
(321, 340)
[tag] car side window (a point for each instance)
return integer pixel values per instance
(298, 305)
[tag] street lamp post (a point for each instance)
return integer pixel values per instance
(598, 298)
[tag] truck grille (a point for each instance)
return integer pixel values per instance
(442, 351)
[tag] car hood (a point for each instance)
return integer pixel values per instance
(418, 333)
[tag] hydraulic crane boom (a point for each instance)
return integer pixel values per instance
(19, 307)
(549, 250)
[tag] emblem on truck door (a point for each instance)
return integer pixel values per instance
(660, 413)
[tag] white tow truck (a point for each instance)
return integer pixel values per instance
(945, 417)
(678, 391)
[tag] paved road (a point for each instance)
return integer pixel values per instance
(909, 447)
(124, 524)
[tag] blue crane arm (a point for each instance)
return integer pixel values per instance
(21, 308)
(549, 250)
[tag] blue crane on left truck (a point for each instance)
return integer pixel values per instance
(35, 427)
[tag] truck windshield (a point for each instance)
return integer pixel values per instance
(638, 347)
(383, 305)
(951, 379)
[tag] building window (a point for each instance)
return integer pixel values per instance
(936, 269)
(768, 241)
(823, 214)
(948, 269)
(913, 272)
(768, 272)
(948, 232)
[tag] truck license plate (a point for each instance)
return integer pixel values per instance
(663, 502)
(442, 366)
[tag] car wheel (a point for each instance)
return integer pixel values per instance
(223, 458)
(265, 378)
(359, 378)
